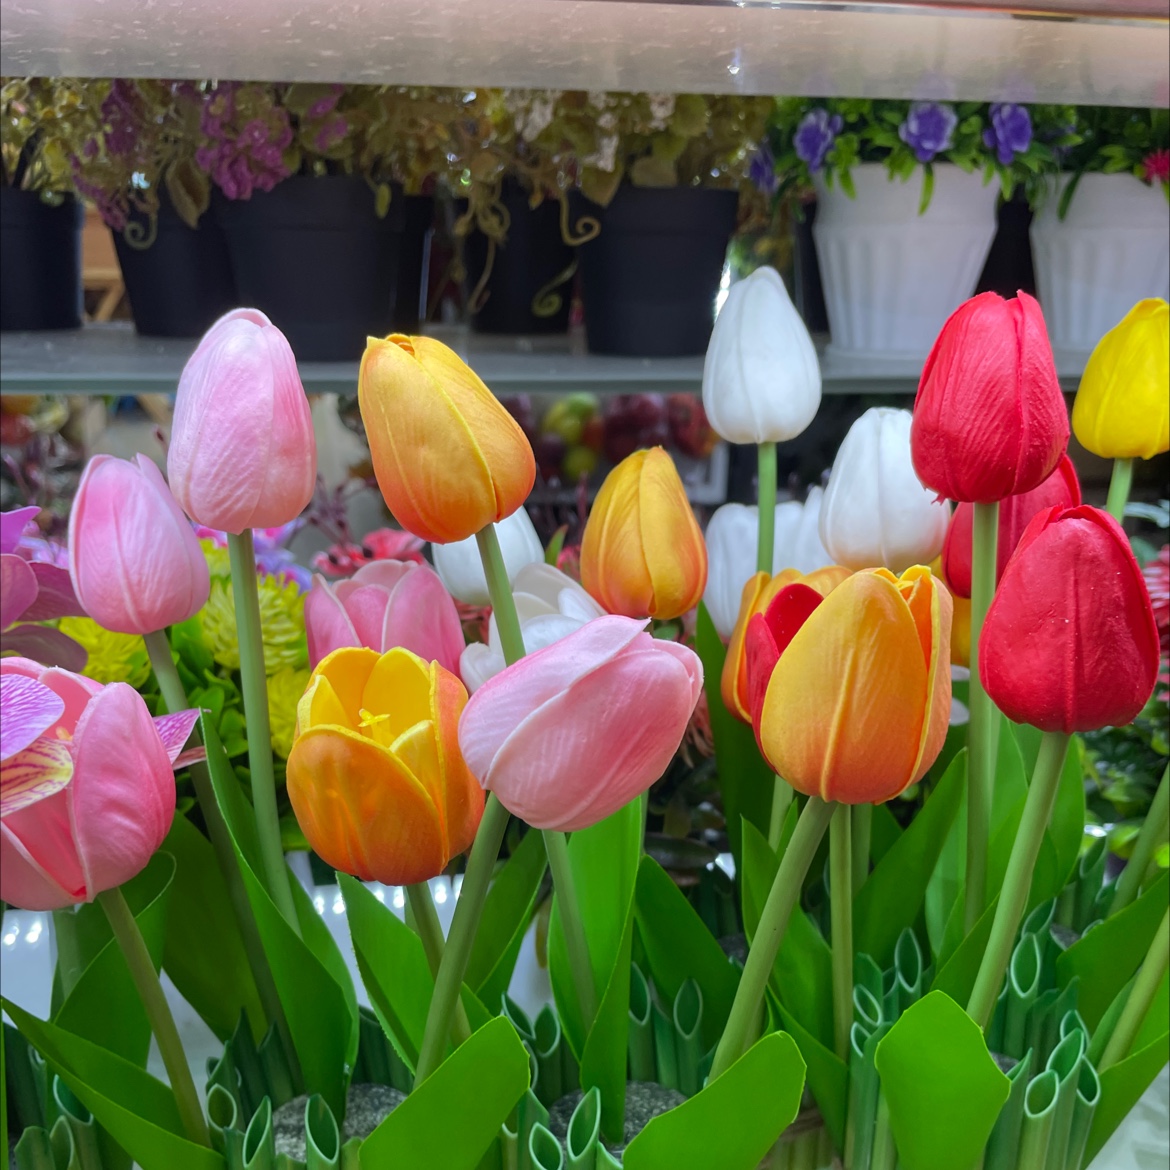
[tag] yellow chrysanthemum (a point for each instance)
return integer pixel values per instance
(282, 620)
(112, 657)
(219, 561)
(285, 689)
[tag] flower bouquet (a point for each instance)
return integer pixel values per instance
(935, 980)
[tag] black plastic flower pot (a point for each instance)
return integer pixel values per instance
(530, 283)
(410, 286)
(178, 278)
(650, 276)
(40, 261)
(314, 256)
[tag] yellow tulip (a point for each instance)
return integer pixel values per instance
(449, 459)
(1122, 409)
(642, 554)
(375, 776)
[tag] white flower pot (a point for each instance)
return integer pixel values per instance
(1110, 250)
(891, 276)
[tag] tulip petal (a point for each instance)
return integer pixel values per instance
(18, 588)
(320, 707)
(422, 618)
(938, 682)
(477, 664)
(677, 565)
(614, 568)
(327, 625)
(398, 687)
(769, 638)
(174, 730)
(75, 690)
(347, 670)
(39, 770)
(25, 882)
(462, 796)
(366, 607)
(28, 709)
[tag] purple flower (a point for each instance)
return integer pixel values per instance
(1010, 132)
(762, 171)
(815, 136)
(332, 131)
(928, 128)
(324, 105)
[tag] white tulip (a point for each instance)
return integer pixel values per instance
(761, 379)
(461, 569)
(876, 511)
(732, 538)
(550, 605)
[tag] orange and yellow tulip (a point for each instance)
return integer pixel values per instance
(449, 459)
(376, 777)
(851, 693)
(757, 596)
(642, 554)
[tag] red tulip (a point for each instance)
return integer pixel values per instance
(1070, 643)
(989, 420)
(1060, 490)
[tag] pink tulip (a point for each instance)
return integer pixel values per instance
(134, 559)
(383, 605)
(86, 790)
(570, 734)
(242, 451)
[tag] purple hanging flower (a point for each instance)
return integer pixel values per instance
(762, 171)
(1010, 132)
(928, 129)
(324, 105)
(815, 136)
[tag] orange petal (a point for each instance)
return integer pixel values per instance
(938, 682)
(676, 555)
(462, 795)
(613, 560)
(733, 682)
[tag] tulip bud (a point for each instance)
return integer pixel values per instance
(876, 511)
(134, 559)
(732, 535)
(761, 379)
(1060, 490)
(851, 693)
(1070, 642)
(242, 451)
(449, 459)
(461, 569)
(989, 419)
(642, 553)
(375, 775)
(568, 735)
(1122, 409)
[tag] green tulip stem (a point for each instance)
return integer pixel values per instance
(500, 591)
(766, 496)
(428, 929)
(1013, 896)
(1151, 835)
(1119, 484)
(158, 1012)
(175, 699)
(1141, 995)
(862, 837)
(781, 802)
(841, 914)
(782, 898)
(983, 729)
(254, 681)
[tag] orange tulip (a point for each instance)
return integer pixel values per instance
(851, 693)
(757, 596)
(642, 554)
(376, 777)
(449, 459)
(960, 619)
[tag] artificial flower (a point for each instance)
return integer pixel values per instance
(461, 569)
(110, 657)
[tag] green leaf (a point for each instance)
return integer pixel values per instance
(507, 911)
(1067, 828)
(679, 946)
(216, 981)
(958, 974)
(136, 1110)
(942, 1086)
(892, 896)
(453, 1117)
(828, 1076)
(1109, 954)
(733, 1122)
(745, 779)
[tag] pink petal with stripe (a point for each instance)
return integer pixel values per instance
(42, 768)
(28, 709)
(174, 731)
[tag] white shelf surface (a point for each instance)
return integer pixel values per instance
(1086, 51)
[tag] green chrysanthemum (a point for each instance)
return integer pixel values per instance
(282, 620)
(112, 657)
(219, 561)
(285, 689)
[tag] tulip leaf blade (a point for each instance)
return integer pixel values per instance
(679, 946)
(892, 896)
(827, 1074)
(137, 1111)
(732, 1122)
(943, 1089)
(420, 1131)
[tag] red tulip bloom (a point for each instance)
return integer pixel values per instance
(1070, 643)
(989, 420)
(1060, 490)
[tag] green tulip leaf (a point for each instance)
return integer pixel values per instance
(454, 1116)
(943, 1089)
(884, 832)
(1067, 828)
(892, 896)
(679, 946)
(828, 1076)
(137, 1111)
(745, 779)
(958, 974)
(733, 1122)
